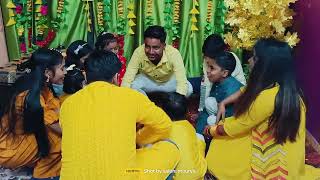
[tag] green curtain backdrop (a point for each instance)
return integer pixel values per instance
(75, 27)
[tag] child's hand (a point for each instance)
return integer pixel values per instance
(221, 112)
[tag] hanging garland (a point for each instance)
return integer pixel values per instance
(168, 14)
(121, 20)
(22, 19)
(176, 23)
(252, 20)
(89, 20)
(130, 17)
(209, 26)
(194, 11)
(149, 19)
(101, 26)
(18, 21)
(219, 18)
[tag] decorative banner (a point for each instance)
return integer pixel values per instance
(194, 11)
(251, 20)
(89, 20)
(130, 17)
(149, 19)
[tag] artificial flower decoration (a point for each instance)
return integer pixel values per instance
(44, 10)
(18, 9)
(251, 20)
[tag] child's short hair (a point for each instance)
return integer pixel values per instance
(104, 39)
(226, 61)
(174, 104)
(73, 81)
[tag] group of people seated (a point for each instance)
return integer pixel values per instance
(89, 116)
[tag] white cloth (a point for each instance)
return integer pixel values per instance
(211, 105)
(144, 85)
(211, 120)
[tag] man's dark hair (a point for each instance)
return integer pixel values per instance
(101, 66)
(156, 32)
(213, 45)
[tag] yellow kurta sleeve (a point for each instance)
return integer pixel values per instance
(51, 110)
(260, 110)
(132, 69)
(180, 73)
(157, 124)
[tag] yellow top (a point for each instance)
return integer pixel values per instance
(250, 152)
(171, 64)
(21, 150)
(192, 164)
(63, 97)
(99, 131)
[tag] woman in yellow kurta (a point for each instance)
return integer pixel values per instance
(29, 129)
(266, 138)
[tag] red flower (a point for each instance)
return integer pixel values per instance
(44, 10)
(18, 9)
(23, 47)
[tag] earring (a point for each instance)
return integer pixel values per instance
(48, 78)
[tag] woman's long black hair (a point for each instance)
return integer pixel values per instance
(274, 65)
(33, 82)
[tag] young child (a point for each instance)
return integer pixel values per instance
(192, 164)
(77, 52)
(219, 68)
(30, 134)
(73, 82)
(213, 45)
(107, 41)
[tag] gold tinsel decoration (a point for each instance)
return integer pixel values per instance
(251, 20)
